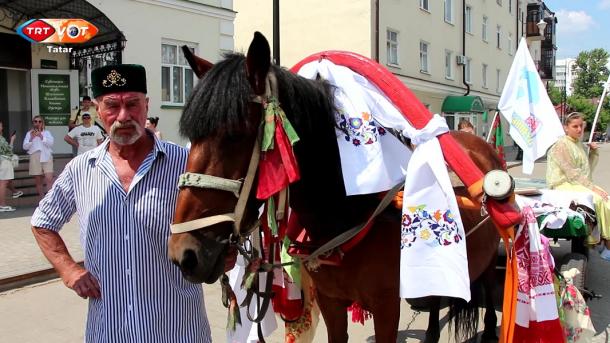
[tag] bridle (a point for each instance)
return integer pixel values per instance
(241, 188)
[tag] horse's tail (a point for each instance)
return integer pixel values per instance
(464, 316)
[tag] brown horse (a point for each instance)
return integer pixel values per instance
(221, 119)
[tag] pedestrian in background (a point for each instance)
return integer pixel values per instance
(151, 124)
(38, 143)
(6, 167)
(466, 126)
(85, 137)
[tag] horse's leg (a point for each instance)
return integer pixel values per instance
(386, 316)
(490, 319)
(433, 332)
(334, 312)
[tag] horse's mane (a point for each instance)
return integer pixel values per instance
(219, 102)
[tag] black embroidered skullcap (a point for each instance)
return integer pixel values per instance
(118, 78)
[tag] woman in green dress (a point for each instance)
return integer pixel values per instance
(569, 168)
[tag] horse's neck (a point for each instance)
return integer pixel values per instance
(325, 218)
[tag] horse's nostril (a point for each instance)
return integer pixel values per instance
(189, 260)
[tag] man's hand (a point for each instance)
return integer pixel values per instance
(593, 145)
(82, 282)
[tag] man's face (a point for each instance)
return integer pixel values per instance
(86, 103)
(123, 115)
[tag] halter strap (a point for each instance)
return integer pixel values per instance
(189, 179)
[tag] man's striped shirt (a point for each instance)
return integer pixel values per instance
(124, 238)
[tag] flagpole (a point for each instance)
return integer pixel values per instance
(599, 107)
(491, 126)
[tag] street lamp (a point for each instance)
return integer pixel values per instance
(541, 27)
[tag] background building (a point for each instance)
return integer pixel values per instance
(454, 55)
(565, 74)
(147, 32)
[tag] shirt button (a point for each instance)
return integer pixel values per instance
(129, 307)
(126, 237)
(128, 271)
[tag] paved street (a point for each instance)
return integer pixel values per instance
(49, 312)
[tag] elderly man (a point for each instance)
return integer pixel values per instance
(124, 192)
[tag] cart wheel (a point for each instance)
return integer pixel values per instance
(578, 261)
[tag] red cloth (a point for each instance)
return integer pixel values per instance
(278, 166)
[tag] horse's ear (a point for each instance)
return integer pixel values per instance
(198, 64)
(258, 62)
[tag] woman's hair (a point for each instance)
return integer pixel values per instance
(153, 120)
(464, 123)
(573, 116)
(42, 119)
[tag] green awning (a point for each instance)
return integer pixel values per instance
(466, 103)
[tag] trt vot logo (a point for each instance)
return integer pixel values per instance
(71, 31)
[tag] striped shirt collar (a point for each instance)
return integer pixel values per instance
(102, 149)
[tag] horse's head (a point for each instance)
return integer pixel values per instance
(221, 119)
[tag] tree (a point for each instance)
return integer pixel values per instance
(592, 73)
(555, 94)
(587, 108)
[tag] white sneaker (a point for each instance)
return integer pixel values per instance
(7, 209)
(17, 194)
(605, 254)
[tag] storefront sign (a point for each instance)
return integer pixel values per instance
(54, 98)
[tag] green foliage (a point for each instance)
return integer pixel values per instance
(593, 73)
(587, 107)
(555, 94)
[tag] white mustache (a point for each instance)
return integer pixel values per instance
(117, 125)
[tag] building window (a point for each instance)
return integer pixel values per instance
(499, 2)
(424, 5)
(498, 90)
(392, 45)
(423, 57)
(448, 64)
(499, 37)
(467, 69)
(449, 11)
(468, 15)
(484, 75)
(510, 44)
(177, 78)
(484, 28)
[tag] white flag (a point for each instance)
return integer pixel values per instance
(534, 124)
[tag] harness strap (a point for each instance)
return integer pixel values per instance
(347, 235)
(240, 207)
(202, 222)
(189, 179)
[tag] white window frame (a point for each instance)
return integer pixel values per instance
(468, 15)
(484, 74)
(498, 90)
(484, 27)
(184, 66)
(424, 57)
(449, 64)
(392, 45)
(499, 37)
(468, 68)
(448, 11)
(424, 5)
(510, 43)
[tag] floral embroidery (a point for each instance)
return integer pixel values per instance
(433, 228)
(360, 130)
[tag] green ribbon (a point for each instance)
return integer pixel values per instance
(272, 112)
(271, 216)
(294, 269)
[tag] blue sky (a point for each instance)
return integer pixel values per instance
(582, 25)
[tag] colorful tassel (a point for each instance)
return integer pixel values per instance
(229, 300)
(251, 273)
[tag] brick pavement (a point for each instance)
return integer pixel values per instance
(19, 252)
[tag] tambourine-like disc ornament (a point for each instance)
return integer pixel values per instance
(498, 184)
